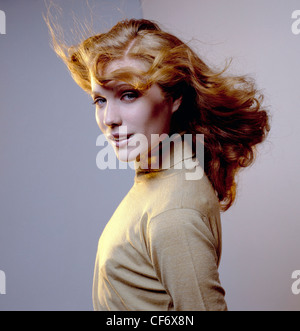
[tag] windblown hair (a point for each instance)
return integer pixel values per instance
(227, 109)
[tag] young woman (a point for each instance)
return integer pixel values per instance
(161, 248)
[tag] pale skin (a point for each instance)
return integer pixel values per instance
(123, 114)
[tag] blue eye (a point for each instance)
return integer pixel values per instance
(130, 96)
(99, 101)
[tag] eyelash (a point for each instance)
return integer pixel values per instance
(131, 94)
(97, 100)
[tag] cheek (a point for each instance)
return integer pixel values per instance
(159, 119)
(99, 120)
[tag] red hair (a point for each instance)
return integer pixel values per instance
(226, 109)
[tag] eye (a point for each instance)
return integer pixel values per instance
(99, 102)
(130, 96)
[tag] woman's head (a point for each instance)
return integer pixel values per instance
(226, 109)
(164, 60)
(131, 118)
(139, 54)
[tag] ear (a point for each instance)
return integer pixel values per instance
(176, 104)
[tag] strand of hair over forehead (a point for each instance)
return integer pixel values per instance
(168, 66)
(138, 29)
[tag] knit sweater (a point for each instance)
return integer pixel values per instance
(161, 248)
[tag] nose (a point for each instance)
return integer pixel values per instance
(111, 116)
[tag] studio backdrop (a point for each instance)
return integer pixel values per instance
(54, 198)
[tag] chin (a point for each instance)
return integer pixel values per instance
(124, 156)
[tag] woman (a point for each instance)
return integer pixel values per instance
(161, 248)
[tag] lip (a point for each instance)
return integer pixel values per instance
(120, 140)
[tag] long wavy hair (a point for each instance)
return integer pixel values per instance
(227, 109)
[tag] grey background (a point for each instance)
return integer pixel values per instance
(54, 201)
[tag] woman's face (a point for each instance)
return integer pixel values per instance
(130, 118)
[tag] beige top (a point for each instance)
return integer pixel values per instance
(161, 249)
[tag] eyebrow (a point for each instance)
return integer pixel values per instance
(95, 94)
(117, 87)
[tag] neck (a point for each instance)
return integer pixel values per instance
(166, 154)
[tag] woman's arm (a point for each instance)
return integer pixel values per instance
(183, 251)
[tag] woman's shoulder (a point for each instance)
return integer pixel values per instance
(191, 190)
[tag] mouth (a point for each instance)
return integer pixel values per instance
(119, 140)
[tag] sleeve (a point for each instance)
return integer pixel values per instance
(183, 251)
